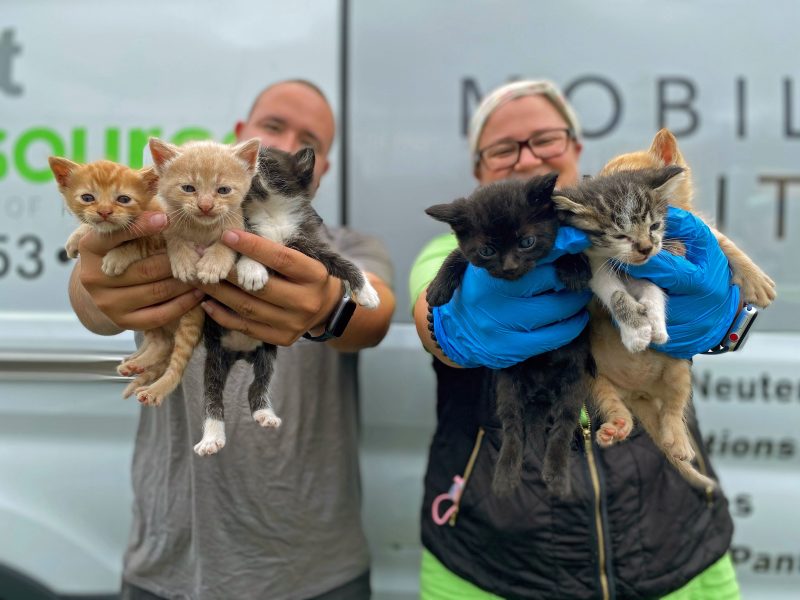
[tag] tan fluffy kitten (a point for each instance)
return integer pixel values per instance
(108, 197)
(654, 386)
(201, 186)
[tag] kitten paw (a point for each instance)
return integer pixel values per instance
(252, 275)
(557, 483)
(209, 446)
(437, 297)
(213, 267)
(657, 321)
(130, 368)
(675, 442)
(636, 339)
(184, 271)
(71, 249)
(113, 266)
(613, 431)
(149, 397)
(758, 289)
(367, 296)
(266, 417)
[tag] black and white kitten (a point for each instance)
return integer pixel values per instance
(505, 227)
(277, 207)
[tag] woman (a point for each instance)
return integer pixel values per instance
(633, 528)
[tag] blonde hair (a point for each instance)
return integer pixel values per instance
(511, 91)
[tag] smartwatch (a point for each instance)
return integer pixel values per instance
(339, 318)
(737, 335)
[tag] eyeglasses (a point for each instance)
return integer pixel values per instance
(544, 144)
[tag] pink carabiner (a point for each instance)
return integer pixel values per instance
(454, 495)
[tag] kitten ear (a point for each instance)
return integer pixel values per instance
(566, 204)
(62, 168)
(665, 181)
(540, 186)
(247, 152)
(450, 213)
(665, 148)
(304, 161)
(150, 178)
(162, 152)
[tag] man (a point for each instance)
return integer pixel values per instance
(276, 514)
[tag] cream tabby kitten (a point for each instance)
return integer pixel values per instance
(201, 186)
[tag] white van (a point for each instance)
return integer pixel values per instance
(403, 78)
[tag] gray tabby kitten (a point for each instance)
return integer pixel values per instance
(277, 207)
(624, 215)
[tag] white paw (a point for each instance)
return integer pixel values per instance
(252, 275)
(367, 296)
(206, 447)
(636, 339)
(266, 417)
(213, 438)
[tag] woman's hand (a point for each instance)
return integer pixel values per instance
(702, 301)
(498, 323)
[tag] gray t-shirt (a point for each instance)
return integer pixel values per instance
(276, 513)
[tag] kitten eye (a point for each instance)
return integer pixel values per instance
(527, 242)
(655, 226)
(187, 188)
(620, 236)
(224, 190)
(87, 198)
(124, 199)
(487, 251)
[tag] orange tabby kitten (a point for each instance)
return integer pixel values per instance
(108, 197)
(654, 386)
(201, 186)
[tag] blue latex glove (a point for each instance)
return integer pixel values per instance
(498, 323)
(702, 302)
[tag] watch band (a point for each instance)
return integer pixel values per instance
(339, 318)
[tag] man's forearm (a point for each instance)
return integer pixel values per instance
(88, 314)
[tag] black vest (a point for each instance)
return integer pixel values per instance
(632, 528)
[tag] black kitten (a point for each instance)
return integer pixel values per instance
(277, 207)
(505, 227)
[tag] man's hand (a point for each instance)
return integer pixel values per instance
(143, 297)
(298, 297)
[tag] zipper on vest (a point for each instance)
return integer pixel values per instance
(467, 473)
(586, 426)
(701, 465)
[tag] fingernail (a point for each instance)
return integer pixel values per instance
(199, 293)
(158, 219)
(230, 237)
(207, 307)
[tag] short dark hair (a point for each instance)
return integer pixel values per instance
(305, 82)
